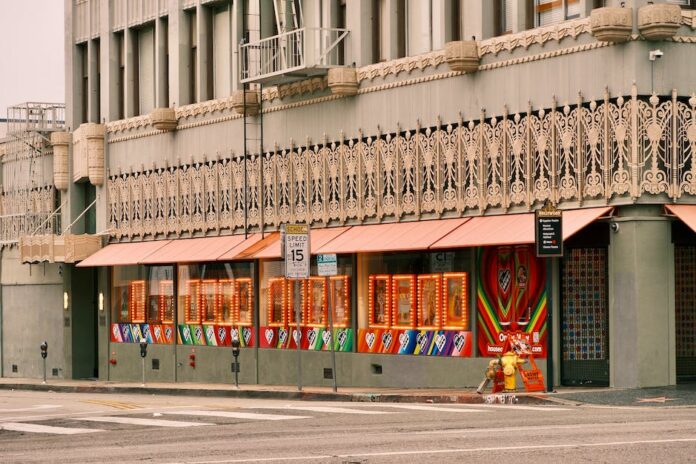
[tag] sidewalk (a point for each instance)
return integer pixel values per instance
(287, 392)
(681, 395)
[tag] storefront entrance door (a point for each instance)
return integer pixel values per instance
(584, 317)
(685, 311)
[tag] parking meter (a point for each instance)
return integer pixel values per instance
(44, 354)
(235, 353)
(143, 354)
(235, 347)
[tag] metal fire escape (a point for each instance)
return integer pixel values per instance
(28, 196)
(295, 52)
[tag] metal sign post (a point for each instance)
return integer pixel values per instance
(548, 237)
(296, 256)
(327, 266)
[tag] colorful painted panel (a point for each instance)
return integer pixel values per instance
(510, 296)
(214, 335)
(133, 333)
(584, 328)
(415, 342)
(311, 338)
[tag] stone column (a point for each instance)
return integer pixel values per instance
(641, 299)
(359, 22)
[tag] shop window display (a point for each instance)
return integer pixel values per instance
(455, 298)
(427, 297)
(404, 301)
(142, 304)
(315, 297)
(215, 303)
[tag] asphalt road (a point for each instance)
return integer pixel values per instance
(61, 427)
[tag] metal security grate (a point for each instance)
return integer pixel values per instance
(685, 310)
(585, 318)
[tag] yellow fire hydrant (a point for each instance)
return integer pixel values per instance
(510, 364)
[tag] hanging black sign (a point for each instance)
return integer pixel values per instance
(548, 231)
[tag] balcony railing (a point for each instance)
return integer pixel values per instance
(296, 54)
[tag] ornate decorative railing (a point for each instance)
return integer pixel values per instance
(27, 212)
(614, 150)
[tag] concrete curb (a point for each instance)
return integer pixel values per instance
(362, 397)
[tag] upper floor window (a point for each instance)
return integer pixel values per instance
(553, 11)
(691, 4)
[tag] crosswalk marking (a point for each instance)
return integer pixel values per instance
(37, 428)
(139, 421)
(234, 415)
(330, 409)
(422, 407)
(38, 407)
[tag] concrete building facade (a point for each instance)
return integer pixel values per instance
(416, 139)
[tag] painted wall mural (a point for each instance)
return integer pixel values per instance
(510, 297)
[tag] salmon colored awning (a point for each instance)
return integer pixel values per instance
(123, 254)
(399, 236)
(192, 250)
(248, 247)
(513, 229)
(317, 239)
(686, 213)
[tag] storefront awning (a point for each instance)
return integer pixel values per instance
(318, 238)
(123, 254)
(192, 250)
(247, 248)
(686, 213)
(513, 229)
(399, 236)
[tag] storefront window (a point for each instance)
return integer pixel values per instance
(314, 298)
(414, 303)
(142, 304)
(216, 293)
(420, 290)
(216, 303)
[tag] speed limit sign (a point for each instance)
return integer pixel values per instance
(297, 251)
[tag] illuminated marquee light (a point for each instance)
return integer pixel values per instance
(345, 295)
(165, 302)
(453, 305)
(210, 308)
(192, 313)
(136, 301)
(243, 301)
(319, 282)
(290, 310)
(398, 282)
(276, 289)
(425, 322)
(226, 299)
(374, 321)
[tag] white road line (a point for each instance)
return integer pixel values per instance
(38, 407)
(36, 428)
(233, 415)
(537, 428)
(420, 407)
(330, 409)
(139, 421)
(451, 451)
(518, 407)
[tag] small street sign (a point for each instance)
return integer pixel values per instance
(297, 251)
(327, 265)
(548, 231)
